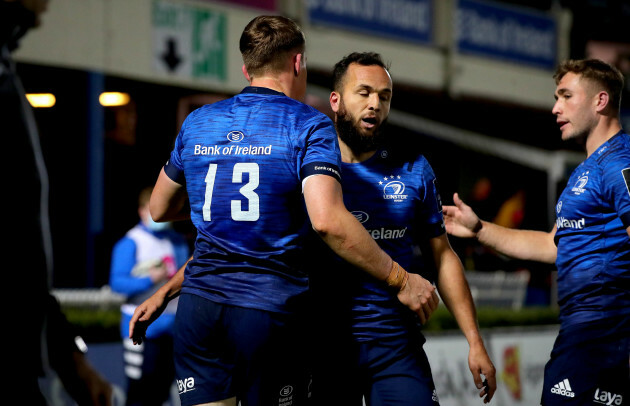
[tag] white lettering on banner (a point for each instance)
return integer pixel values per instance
(405, 14)
(506, 35)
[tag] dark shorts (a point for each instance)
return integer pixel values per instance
(589, 366)
(385, 372)
(224, 351)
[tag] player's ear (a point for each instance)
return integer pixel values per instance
(334, 99)
(602, 100)
(298, 63)
(246, 74)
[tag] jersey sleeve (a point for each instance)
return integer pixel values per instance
(430, 211)
(320, 152)
(617, 187)
(174, 167)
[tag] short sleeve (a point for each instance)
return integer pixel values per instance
(321, 155)
(430, 212)
(617, 187)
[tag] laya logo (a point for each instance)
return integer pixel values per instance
(607, 398)
(393, 188)
(578, 188)
(235, 136)
(361, 216)
(186, 385)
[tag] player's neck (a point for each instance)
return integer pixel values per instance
(350, 157)
(602, 133)
(282, 82)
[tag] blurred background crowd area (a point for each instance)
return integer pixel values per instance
(473, 92)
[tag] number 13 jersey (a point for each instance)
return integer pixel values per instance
(242, 161)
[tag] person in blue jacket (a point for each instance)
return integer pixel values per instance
(142, 261)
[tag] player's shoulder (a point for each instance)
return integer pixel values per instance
(615, 152)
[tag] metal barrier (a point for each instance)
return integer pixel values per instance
(103, 298)
(498, 288)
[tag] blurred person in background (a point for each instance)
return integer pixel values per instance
(369, 345)
(254, 169)
(47, 341)
(142, 261)
(589, 243)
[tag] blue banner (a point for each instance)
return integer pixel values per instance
(509, 33)
(410, 20)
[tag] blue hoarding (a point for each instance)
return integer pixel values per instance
(509, 33)
(409, 20)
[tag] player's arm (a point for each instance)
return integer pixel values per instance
(351, 241)
(461, 221)
(455, 294)
(168, 200)
(153, 307)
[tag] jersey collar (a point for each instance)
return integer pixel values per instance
(261, 90)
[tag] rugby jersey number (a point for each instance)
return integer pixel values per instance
(236, 206)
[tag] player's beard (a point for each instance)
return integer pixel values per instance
(352, 136)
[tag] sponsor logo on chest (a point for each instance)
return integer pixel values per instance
(580, 184)
(563, 222)
(393, 188)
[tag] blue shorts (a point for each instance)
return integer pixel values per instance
(589, 366)
(386, 372)
(224, 351)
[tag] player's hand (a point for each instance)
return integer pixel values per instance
(460, 220)
(420, 296)
(144, 315)
(480, 364)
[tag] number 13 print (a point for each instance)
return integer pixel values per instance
(236, 206)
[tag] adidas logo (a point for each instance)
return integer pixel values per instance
(563, 388)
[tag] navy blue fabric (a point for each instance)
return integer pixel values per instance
(224, 351)
(589, 365)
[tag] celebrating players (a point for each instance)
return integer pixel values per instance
(589, 242)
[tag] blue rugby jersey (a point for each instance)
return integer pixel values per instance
(592, 215)
(243, 160)
(397, 201)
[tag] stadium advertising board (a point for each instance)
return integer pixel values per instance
(503, 32)
(409, 20)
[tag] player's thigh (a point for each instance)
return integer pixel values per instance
(205, 359)
(273, 353)
(593, 371)
(401, 375)
(226, 402)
